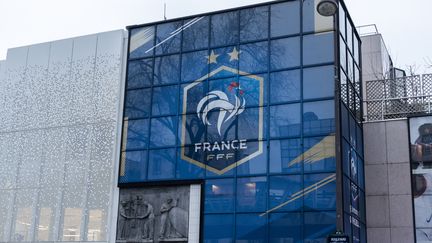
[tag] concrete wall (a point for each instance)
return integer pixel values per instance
(388, 182)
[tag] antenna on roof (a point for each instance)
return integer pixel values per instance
(165, 18)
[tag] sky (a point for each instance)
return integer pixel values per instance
(405, 25)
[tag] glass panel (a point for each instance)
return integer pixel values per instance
(319, 154)
(195, 33)
(344, 87)
(168, 37)
(162, 164)
(248, 126)
(285, 53)
(349, 35)
(194, 65)
(195, 92)
(312, 20)
(321, 191)
(141, 42)
(345, 122)
(286, 156)
(350, 68)
(167, 70)
(218, 228)
(219, 196)
(254, 24)
(252, 87)
(137, 134)
(356, 50)
(342, 24)
(285, 120)
(224, 29)
(346, 157)
(187, 170)
(134, 166)
(285, 18)
(318, 117)
(165, 100)
(285, 86)
(254, 57)
(318, 225)
(286, 227)
(256, 165)
(227, 57)
(318, 82)
(140, 73)
(284, 193)
(318, 48)
(24, 203)
(163, 131)
(251, 228)
(252, 194)
(138, 103)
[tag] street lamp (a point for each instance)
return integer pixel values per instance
(327, 7)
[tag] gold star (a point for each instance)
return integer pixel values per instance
(234, 55)
(212, 58)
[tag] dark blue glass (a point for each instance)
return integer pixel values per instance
(218, 228)
(254, 57)
(362, 206)
(318, 48)
(223, 62)
(138, 103)
(168, 37)
(347, 225)
(137, 134)
(355, 200)
(346, 194)
(343, 54)
(353, 165)
(286, 156)
(165, 100)
(219, 196)
(285, 193)
(251, 194)
(286, 227)
(285, 120)
(254, 165)
(319, 117)
(353, 128)
(254, 24)
(187, 170)
(251, 228)
(194, 65)
(248, 123)
(359, 136)
(195, 33)
(285, 53)
(321, 192)
(140, 73)
(224, 29)
(346, 157)
(194, 131)
(166, 70)
(141, 42)
(195, 92)
(285, 86)
(135, 167)
(318, 82)
(162, 164)
(252, 88)
(285, 18)
(361, 181)
(318, 225)
(319, 154)
(345, 122)
(343, 87)
(163, 131)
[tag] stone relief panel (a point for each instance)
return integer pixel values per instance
(154, 214)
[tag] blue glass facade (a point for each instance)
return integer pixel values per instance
(259, 82)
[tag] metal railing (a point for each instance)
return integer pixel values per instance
(398, 98)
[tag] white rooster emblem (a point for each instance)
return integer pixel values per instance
(218, 100)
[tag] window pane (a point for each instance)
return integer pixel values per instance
(163, 131)
(318, 82)
(248, 123)
(187, 170)
(285, 18)
(141, 42)
(218, 228)
(286, 227)
(284, 191)
(252, 194)
(251, 87)
(285, 53)
(195, 92)
(167, 70)
(319, 154)
(318, 48)
(312, 20)
(226, 56)
(137, 134)
(318, 117)
(254, 24)
(168, 38)
(342, 19)
(137, 103)
(135, 167)
(194, 65)
(165, 100)
(322, 191)
(286, 156)
(343, 54)
(285, 120)
(255, 165)
(140, 73)
(285, 86)
(195, 33)
(254, 57)
(224, 29)
(162, 164)
(251, 228)
(318, 225)
(219, 195)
